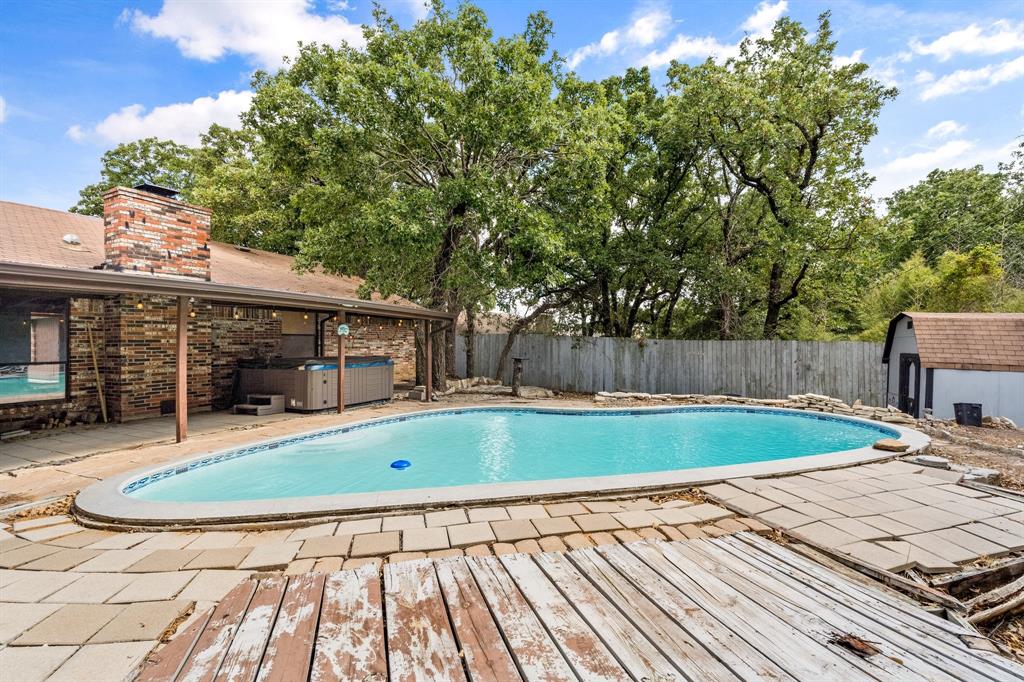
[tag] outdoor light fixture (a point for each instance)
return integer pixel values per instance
(273, 313)
(139, 305)
(305, 316)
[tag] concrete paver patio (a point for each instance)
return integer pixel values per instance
(894, 515)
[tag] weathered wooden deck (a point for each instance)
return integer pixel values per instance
(738, 607)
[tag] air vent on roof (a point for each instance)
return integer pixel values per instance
(71, 238)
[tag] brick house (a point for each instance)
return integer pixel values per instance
(132, 285)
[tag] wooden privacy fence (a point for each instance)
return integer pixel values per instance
(849, 370)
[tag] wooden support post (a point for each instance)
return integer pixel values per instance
(428, 354)
(341, 363)
(181, 372)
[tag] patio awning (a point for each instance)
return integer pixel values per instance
(97, 282)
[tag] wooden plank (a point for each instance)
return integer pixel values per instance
(633, 650)
(242, 660)
(350, 638)
(537, 656)
(582, 648)
(290, 649)
(938, 634)
(206, 656)
(166, 663)
(742, 659)
(820, 619)
(676, 643)
(483, 649)
(776, 638)
(421, 645)
(779, 580)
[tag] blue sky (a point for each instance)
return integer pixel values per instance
(76, 77)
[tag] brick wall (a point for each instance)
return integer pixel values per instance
(155, 234)
(254, 333)
(141, 355)
(378, 336)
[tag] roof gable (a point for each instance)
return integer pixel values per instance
(979, 341)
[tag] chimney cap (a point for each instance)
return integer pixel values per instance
(160, 190)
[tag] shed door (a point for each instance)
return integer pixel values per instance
(910, 384)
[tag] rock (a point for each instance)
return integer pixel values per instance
(931, 461)
(890, 445)
(534, 392)
(983, 475)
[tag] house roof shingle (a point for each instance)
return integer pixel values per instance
(981, 341)
(34, 235)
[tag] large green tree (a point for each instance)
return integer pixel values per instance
(789, 124)
(952, 210)
(420, 159)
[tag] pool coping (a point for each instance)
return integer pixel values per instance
(106, 503)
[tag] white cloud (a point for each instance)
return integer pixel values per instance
(3, 109)
(761, 22)
(645, 28)
(887, 69)
(907, 170)
(182, 122)
(1001, 36)
(923, 77)
(971, 80)
(262, 31)
(757, 25)
(854, 58)
(945, 129)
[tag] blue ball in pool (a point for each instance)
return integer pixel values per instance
(401, 464)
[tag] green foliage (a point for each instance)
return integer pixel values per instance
(953, 210)
(149, 160)
(960, 282)
(468, 171)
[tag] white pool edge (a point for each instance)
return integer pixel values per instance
(105, 502)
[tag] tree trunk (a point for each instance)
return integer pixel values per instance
(521, 324)
(775, 300)
(470, 342)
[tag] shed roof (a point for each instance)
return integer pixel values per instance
(982, 341)
(33, 236)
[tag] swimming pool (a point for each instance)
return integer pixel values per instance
(502, 445)
(489, 453)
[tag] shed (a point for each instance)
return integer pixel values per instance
(937, 359)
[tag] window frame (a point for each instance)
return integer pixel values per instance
(66, 398)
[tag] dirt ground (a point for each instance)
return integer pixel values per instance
(1011, 465)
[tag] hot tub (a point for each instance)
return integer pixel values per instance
(310, 384)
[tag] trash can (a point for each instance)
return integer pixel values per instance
(967, 414)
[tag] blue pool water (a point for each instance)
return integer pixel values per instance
(502, 445)
(18, 388)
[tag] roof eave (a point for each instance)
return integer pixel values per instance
(78, 281)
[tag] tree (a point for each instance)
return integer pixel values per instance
(791, 126)
(149, 160)
(951, 210)
(415, 160)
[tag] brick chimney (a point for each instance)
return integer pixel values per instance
(147, 230)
